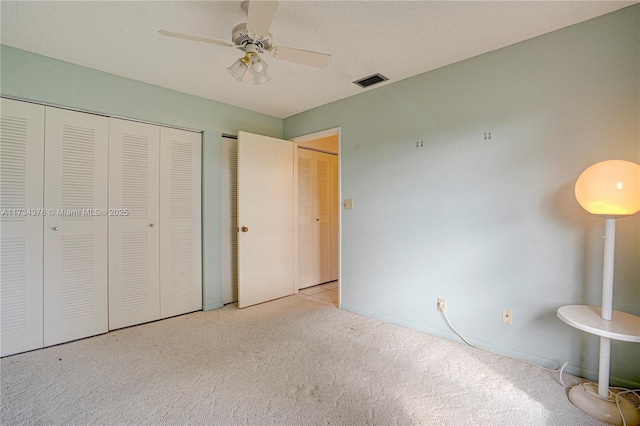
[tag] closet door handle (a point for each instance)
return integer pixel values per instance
(55, 228)
(151, 225)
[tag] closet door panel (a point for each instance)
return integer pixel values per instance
(180, 222)
(75, 235)
(21, 192)
(229, 232)
(335, 219)
(134, 238)
(322, 215)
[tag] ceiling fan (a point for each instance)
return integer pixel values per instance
(253, 38)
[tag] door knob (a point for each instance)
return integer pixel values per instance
(55, 228)
(151, 225)
(244, 229)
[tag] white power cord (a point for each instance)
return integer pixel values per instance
(561, 369)
(446, 318)
(622, 392)
(615, 396)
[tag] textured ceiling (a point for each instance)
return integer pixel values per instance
(399, 39)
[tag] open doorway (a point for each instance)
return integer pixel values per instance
(316, 262)
(317, 216)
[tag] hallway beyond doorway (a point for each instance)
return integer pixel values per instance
(322, 293)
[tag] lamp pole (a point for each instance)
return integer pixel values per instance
(607, 305)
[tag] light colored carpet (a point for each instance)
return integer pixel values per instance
(291, 361)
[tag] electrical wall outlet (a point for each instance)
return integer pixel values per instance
(507, 317)
(442, 305)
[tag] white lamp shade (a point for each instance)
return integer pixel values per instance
(610, 188)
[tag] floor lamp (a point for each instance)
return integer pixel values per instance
(610, 189)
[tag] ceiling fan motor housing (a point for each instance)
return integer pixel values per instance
(241, 37)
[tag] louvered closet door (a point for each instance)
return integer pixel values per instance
(134, 237)
(308, 272)
(180, 222)
(21, 186)
(322, 215)
(335, 219)
(229, 220)
(75, 237)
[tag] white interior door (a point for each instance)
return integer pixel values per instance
(180, 222)
(134, 173)
(21, 188)
(265, 210)
(75, 233)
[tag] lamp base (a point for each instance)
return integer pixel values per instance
(585, 398)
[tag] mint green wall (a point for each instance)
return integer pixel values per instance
(33, 77)
(493, 224)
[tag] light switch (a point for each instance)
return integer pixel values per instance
(348, 203)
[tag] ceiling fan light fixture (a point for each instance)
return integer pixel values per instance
(238, 69)
(253, 37)
(260, 79)
(258, 68)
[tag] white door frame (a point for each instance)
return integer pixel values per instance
(296, 141)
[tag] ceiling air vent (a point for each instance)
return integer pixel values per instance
(371, 80)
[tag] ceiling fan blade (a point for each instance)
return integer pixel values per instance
(260, 15)
(197, 38)
(305, 57)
